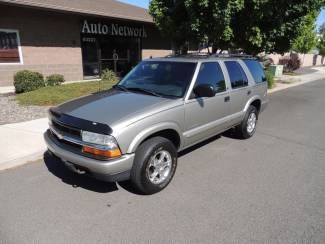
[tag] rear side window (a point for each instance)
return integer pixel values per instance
(211, 73)
(256, 70)
(236, 74)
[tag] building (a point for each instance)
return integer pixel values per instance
(76, 38)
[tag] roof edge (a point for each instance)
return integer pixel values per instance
(25, 3)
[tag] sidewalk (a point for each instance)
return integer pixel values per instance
(23, 142)
(303, 76)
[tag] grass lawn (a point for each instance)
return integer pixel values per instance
(53, 95)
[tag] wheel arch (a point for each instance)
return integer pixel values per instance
(167, 130)
(256, 101)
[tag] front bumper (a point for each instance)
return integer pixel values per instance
(111, 170)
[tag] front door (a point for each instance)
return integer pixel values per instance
(90, 56)
(205, 117)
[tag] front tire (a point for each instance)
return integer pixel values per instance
(247, 128)
(154, 165)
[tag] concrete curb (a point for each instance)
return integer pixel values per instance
(22, 161)
(23, 142)
(286, 86)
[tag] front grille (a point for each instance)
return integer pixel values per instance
(72, 146)
(66, 130)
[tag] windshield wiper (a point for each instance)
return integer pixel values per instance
(123, 88)
(138, 89)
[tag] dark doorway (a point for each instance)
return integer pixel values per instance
(90, 57)
(119, 54)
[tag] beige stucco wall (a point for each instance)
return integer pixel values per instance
(155, 53)
(46, 60)
(307, 59)
(50, 43)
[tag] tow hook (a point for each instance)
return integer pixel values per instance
(74, 168)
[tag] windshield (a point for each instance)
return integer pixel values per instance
(164, 78)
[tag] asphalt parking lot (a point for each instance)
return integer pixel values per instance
(268, 189)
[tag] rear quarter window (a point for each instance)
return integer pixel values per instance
(256, 70)
(237, 75)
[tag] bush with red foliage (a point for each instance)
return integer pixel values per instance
(290, 63)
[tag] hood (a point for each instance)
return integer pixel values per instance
(113, 106)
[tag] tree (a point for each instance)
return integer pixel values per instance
(172, 20)
(306, 39)
(321, 46)
(211, 20)
(252, 25)
(270, 25)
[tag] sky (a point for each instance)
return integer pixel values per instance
(140, 3)
(321, 18)
(145, 4)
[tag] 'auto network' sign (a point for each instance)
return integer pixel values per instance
(113, 30)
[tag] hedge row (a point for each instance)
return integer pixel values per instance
(27, 80)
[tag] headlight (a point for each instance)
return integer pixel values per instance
(108, 146)
(95, 138)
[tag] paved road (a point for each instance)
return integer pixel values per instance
(269, 189)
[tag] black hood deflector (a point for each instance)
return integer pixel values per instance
(79, 123)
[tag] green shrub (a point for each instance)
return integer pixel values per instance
(270, 79)
(27, 80)
(54, 80)
(109, 75)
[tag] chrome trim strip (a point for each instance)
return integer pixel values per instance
(77, 141)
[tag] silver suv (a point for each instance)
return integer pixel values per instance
(135, 130)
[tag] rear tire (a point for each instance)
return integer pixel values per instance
(154, 165)
(247, 127)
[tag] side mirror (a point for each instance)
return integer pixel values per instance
(204, 90)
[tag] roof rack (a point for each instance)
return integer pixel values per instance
(209, 55)
(191, 54)
(239, 55)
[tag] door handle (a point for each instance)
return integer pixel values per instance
(249, 92)
(227, 98)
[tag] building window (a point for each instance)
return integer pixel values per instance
(10, 50)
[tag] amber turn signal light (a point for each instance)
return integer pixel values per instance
(103, 153)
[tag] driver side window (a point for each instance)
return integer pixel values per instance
(210, 73)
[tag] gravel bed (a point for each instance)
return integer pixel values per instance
(11, 112)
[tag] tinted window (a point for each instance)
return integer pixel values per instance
(256, 70)
(211, 73)
(236, 74)
(161, 77)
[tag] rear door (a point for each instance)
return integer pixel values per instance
(260, 83)
(205, 116)
(240, 91)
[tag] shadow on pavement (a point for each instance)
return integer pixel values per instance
(232, 134)
(229, 134)
(197, 146)
(57, 168)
